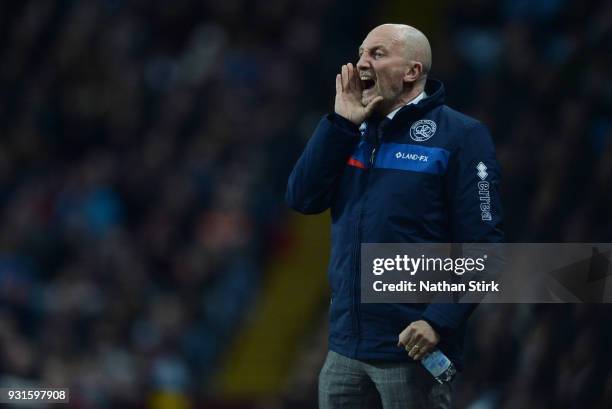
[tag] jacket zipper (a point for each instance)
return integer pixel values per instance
(356, 266)
(356, 249)
(376, 146)
(373, 155)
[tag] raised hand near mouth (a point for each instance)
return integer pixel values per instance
(348, 96)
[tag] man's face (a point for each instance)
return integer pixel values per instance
(382, 65)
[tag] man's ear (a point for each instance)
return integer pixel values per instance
(413, 72)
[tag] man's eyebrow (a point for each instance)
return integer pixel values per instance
(374, 48)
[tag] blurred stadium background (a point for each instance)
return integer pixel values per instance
(147, 259)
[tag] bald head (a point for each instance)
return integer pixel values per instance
(394, 60)
(413, 41)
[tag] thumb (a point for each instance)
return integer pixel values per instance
(373, 103)
(400, 341)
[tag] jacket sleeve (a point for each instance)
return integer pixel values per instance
(313, 179)
(475, 211)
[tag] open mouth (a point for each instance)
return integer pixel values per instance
(367, 83)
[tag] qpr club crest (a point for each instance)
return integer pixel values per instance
(422, 130)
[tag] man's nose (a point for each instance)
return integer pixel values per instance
(363, 62)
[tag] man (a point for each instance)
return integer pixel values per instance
(394, 164)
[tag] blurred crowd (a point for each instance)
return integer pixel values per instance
(538, 74)
(144, 151)
(139, 185)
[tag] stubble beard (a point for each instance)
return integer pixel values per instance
(366, 99)
(381, 107)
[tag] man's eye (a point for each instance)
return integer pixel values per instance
(378, 54)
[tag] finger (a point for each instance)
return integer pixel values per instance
(338, 84)
(349, 76)
(422, 353)
(408, 349)
(410, 330)
(345, 78)
(357, 81)
(423, 344)
(403, 338)
(352, 76)
(423, 347)
(372, 105)
(412, 352)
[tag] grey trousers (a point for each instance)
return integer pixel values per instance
(351, 384)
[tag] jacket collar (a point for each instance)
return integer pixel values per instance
(408, 113)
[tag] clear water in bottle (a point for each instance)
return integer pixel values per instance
(439, 366)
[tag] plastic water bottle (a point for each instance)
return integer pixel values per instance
(439, 366)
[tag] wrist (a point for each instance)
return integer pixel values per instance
(433, 326)
(344, 122)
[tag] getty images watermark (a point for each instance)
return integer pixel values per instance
(412, 265)
(487, 273)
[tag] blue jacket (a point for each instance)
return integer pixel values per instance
(414, 181)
